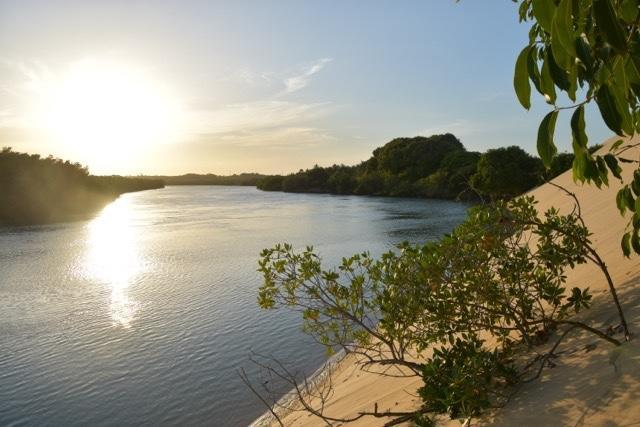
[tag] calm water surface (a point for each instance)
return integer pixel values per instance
(143, 315)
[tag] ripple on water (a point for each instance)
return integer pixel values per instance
(143, 314)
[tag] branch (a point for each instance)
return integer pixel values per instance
(245, 380)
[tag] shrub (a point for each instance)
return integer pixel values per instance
(463, 379)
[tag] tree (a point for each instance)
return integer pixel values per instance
(36, 190)
(417, 157)
(593, 45)
(342, 180)
(506, 172)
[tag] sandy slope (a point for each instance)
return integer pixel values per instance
(586, 387)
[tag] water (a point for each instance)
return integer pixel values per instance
(143, 315)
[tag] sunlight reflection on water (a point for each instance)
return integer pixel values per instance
(113, 258)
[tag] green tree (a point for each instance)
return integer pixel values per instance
(506, 172)
(417, 157)
(37, 190)
(592, 45)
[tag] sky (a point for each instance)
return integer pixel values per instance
(170, 87)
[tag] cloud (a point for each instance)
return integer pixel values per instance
(24, 78)
(277, 138)
(256, 115)
(295, 83)
(266, 121)
(261, 123)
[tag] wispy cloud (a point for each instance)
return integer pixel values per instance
(288, 137)
(22, 84)
(300, 81)
(261, 123)
(23, 77)
(268, 121)
(256, 115)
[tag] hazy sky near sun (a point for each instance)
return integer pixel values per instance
(265, 86)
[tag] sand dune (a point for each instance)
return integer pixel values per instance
(588, 387)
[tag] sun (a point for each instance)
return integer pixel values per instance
(100, 108)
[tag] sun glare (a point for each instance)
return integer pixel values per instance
(102, 107)
(113, 258)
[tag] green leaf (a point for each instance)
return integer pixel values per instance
(592, 173)
(610, 114)
(573, 82)
(584, 53)
(619, 91)
(583, 168)
(616, 145)
(563, 28)
(613, 165)
(602, 169)
(577, 127)
(532, 68)
(579, 164)
(635, 242)
(546, 147)
(608, 23)
(582, 157)
(629, 201)
(546, 82)
(561, 57)
(521, 79)
(632, 72)
(543, 11)
(629, 10)
(635, 184)
(626, 244)
(558, 74)
(620, 203)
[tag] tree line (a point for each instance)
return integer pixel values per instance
(438, 166)
(39, 190)
(241, 179)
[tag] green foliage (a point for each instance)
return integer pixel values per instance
(433, 167)
(338, 307)
(502, 273)
(462, 379)
(593, 45)
(271, 183)
(35, 190)
(507, 172)
(415, 158)
(394, 170)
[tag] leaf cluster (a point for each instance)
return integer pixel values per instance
(589, 50)
(465, 378)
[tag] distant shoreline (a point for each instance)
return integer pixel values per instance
(44, 190)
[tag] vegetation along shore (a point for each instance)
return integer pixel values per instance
(41, 190)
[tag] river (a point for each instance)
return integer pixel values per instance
(144, 314)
